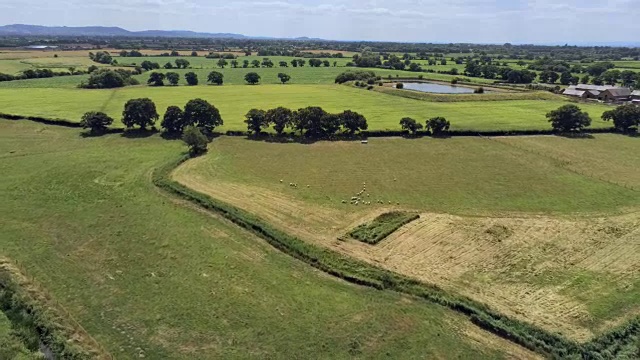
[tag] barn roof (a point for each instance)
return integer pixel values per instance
(573, 92)
(620, 92)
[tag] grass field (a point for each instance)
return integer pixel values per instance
(382, 111)
(541, 228)
(146, 274)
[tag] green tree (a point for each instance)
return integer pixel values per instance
(437, 126)
(97, 122)
(611, 76)
(566, 78)
(553, 77)
(191, 78)
(222, 63)
(168, 65)
(280, 117)
(148, 65)
(195, 139)
(255, 63)
(284, 78)
(309, 121)
(173, 78)
(156, 79)
(194, 53)
(294, 62)
(234, 63)
(255, 120)
(411, 125)
(568, 118)
(252, 78)
(201, 113)
(245, 63)
(352, 121)
(283, 64)
(628, 78)
(141, 112)
(626, 118)
(173, 120)
(182, 63)
(215, 78)
(585, 79)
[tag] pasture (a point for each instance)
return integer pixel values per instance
(383, 111)
(148, 275)
(541, 228)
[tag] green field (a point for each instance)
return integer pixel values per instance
(516, 222)
(145, 274)
(382, 111)
(458, 175)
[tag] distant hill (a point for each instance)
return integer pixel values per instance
(37, 30)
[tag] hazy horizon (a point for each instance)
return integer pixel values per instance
(468, 21)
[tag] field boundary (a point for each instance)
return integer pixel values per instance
(55, 326)
(362, 273)
(504, 96)
(336, 137)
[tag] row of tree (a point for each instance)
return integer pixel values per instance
(570, 118)
(437, 126)
(312, 121)
(142, 113)
(214, 77)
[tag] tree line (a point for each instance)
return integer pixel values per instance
(214, 78)
(312, 121)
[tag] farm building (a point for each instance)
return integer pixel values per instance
(600, 92)
(617, 94)
(635, 95)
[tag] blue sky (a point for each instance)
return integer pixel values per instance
(479, 21)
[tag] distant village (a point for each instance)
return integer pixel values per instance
(606, 93)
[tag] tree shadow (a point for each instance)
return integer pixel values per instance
(139, 133)
(578, 136)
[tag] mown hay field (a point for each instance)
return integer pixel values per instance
(146, 274)
(383, 111)
(542, 228)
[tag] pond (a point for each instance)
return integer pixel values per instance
(439, 88)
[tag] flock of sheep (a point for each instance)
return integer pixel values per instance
(355, 200)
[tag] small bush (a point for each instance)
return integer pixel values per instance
(370, 87)
(420, 77)
(382, 226)
(399, 86)
(479, 90)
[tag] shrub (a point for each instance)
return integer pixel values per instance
(354, 75)
(370, 87)
(108, 79)
(255, 119)
(96, 121)
(196, 141)
(399, 86)
(454, 81)
(479, 90)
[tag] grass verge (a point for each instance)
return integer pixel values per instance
(36, 318)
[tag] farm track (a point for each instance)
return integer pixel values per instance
(516, 269)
